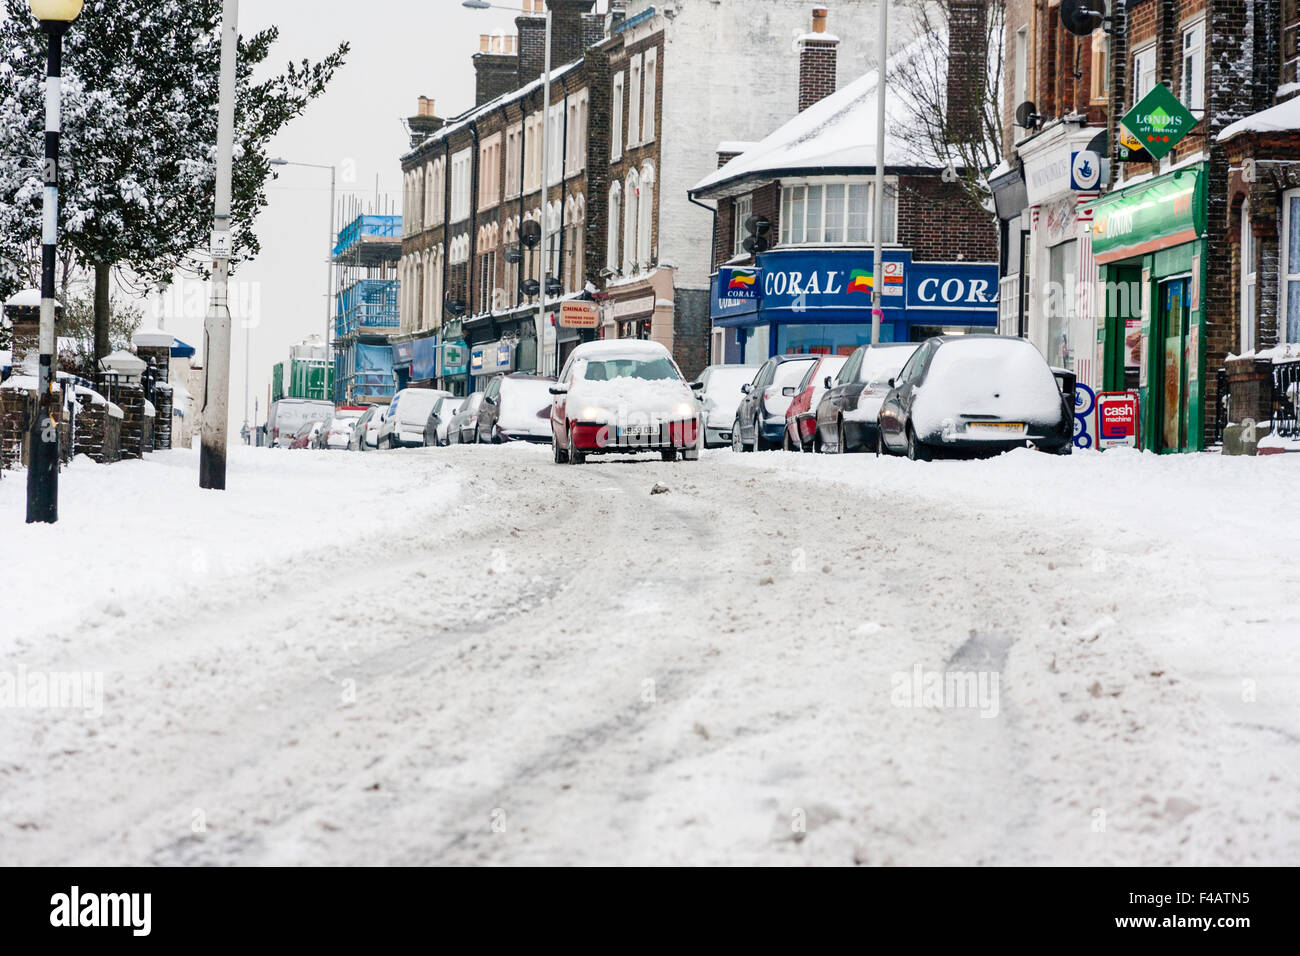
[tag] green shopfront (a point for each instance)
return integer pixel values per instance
(1149, 243)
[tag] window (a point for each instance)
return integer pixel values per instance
(1022, 68)
(574, 271)
(1100, 65)
(616, 130)
(1247, 280)
(510, 238)
(1290, 291)
(631, 195)
(554, 144)
(514, 162)
(460, 182)
(458, 249)
(533, 155)
(575, 155)
(741, 209)
(648, 108)
(554, 234)
(489, 172)
(487, 280)
(634, 101)
(1193, 79)
(835, 212)
(614, 215)
(645, 217)
(1063, 270)
(1144, 72)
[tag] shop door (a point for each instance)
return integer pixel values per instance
(1172, 333)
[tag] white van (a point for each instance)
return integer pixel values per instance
(290, 414)
(407, 416)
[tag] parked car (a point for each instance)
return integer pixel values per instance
(801, 417)
(720, 396)
(849, 410)
(403, 426)
(623, 395)
(364, 435)
(973, 395)
(339, 432)
(306, 435)
(288, 415)
(435, 429)
(760, 420)
(464, 424)
(515, 407)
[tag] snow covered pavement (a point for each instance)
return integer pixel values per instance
(473, 655)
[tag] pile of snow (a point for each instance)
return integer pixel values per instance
(1276, 119)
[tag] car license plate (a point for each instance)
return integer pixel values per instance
(1004, 429)
(640, 432)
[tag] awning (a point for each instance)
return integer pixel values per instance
(1162, 212)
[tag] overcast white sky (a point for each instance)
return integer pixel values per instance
(400, 50)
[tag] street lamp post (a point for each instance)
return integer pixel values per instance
(546, 110)
(216, 329)
(329, 262)
(878, 212)
(55, 17)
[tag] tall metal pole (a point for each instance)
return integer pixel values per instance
(878, 200)
(546, 161)
(216, 329)
(43, 436)
(327, 391)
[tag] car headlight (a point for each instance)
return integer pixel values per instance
(594, 413)
(684, 410)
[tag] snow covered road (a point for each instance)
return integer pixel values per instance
(471, 655)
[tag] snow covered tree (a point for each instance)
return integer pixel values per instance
(138, 157)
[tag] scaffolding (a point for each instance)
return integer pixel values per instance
(366, 257)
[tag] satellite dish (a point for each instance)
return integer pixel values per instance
(553, 286)
(456, 306)
(1099, 144)
(755, 245)
(757, 226)
(514, 255)
(530, 233)
(1082, 17)
(530, 287)
(1027, 115)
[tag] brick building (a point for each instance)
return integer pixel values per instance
(810, 183)
(639, 95)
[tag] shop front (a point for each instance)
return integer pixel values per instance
(517, 328)
(819, 301)
(1149, 241)
(403, 351)
(454, 357)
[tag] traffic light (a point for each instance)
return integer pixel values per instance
(757, 242)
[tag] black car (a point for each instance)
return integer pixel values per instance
(850, 408)
(760, 420)
(516, 407)
(966, 396)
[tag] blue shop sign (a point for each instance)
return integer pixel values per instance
(818, 286)
(455, 358)
(424, 358)
(402, 353)
(491, 358)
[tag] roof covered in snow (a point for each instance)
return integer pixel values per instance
(834, 135)
(27, 298)
(1275, 119)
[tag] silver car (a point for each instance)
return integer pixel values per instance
(720, 396)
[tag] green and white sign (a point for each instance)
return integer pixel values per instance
(1158, 123)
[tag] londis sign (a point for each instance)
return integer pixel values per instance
(1158, 122)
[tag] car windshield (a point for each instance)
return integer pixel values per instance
(816, 374)
(727, 381)
(879, 365)
(606, 370)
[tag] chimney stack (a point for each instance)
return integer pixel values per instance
(967, 67)
(568, 35)
(818, 62)
(424, 123)
(496, 67)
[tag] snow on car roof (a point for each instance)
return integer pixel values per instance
(616, 347)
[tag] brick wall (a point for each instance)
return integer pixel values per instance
(940, 223)
(818, 68)
(15, 406)
(130, 398)
(495, 74)
(967, 66)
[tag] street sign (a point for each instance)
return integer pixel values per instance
(579, 314)
(1158, 122)
(1117, 420)
(220, 244)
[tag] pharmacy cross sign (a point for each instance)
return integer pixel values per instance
(1159, 121)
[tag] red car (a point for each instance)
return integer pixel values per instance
(801, 416)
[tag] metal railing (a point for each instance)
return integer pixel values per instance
(1284, 401)
(367, 304)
